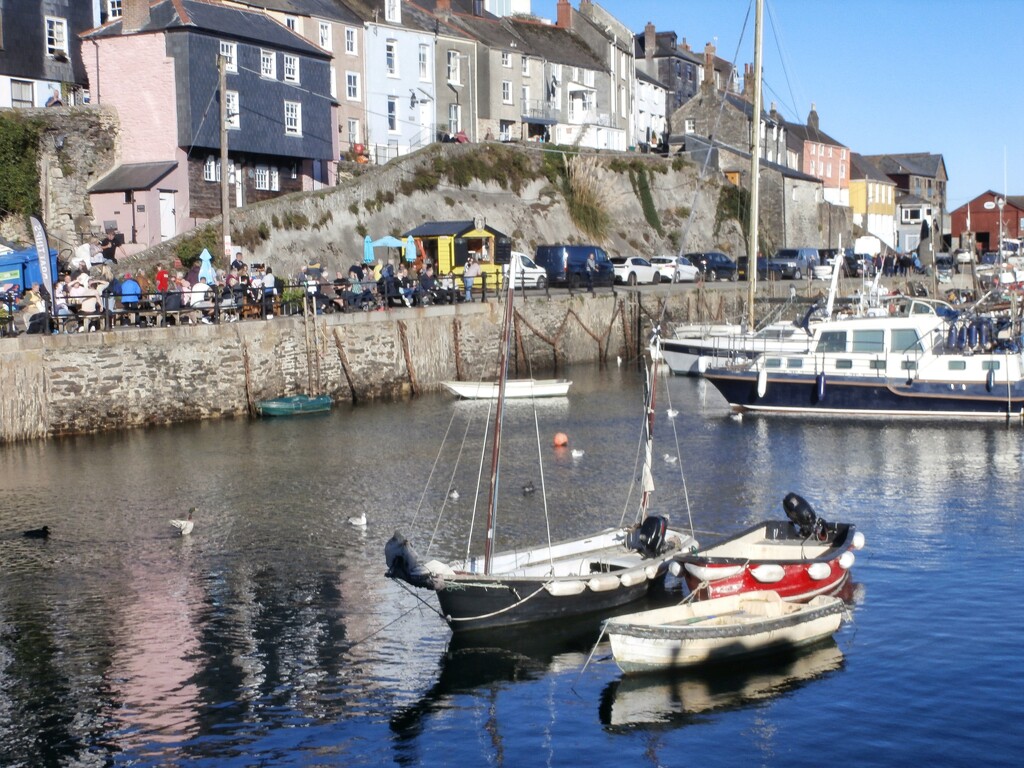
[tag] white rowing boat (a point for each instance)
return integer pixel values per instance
(484, 390)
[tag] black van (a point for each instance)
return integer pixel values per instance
(567, 264)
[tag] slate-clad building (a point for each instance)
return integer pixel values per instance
(158, 66)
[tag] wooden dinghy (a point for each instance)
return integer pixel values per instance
(717, 630)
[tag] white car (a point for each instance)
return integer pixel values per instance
(678, 267)
(635, 269)
(528, 274)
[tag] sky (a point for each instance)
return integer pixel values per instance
(894, 76)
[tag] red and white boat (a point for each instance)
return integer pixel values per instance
(799, 558)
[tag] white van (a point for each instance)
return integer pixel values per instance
(528, 274)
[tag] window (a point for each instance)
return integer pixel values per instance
(794, 362)
(261, 177)
(275, 180)
(352, 86)
(990, 365)
(334, 82)
(291, 22)
(393, 114)
(234, 118)
(211, 169)
(292, 118)
(588, 78)
(622, 100)
(506, 91)
(909, 365)
(876, 365)
(506, 59)
(230, 53)
(424, 63)
(958, 365)
(22, 94)
(324, 31)
(689, 125)
(773, 362)
(393, 11)
(56, 36)
(391, 57)
(525, 96)
(353, 130)
(454, 118)
(906, 340)
(844, 365)
(291, 68)
(869, 341)
(454, 73)
(832, 341)
(115, 8)
(505, 130)
(350, 42)
(268, 64)
(525, 65)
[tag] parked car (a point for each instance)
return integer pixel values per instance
(762, 268)
(635, 269)
(714, 265)
(528, 274)
(794, 263)
(858, 265)
(964, 256)
(567, 264)
(675, 268)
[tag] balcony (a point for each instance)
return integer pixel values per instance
(540, 112)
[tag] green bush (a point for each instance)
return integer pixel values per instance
(190, 246)
(19, 165)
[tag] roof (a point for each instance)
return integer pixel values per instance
(641, 75)
(805, 133)
(329, 10)
(203, 16)
(448, 229)
(132, 176)
(922, 164)
(862, 168)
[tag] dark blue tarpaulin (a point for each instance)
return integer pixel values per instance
(21, 268)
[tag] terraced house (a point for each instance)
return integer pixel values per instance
(158, 66)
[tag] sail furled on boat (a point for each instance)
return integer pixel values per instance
(647, 476)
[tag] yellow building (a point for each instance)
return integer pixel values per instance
(449, 243)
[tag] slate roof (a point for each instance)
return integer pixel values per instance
(922, 164)
(202, 16)
(329, 10)
(804, 133)
(447, 229)
(862, 168)
(133, 176)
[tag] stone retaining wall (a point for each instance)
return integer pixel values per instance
(128, 377)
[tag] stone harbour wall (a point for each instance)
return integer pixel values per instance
(71, 384)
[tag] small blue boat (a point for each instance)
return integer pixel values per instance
(294, 405)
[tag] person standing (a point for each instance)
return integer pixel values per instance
(469, 274)
(591, 271)
(269, 292)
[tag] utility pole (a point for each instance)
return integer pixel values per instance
(225, 205)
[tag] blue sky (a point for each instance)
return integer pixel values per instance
(885, 77)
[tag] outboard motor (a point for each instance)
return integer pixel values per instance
(802, 516)
(651, 537)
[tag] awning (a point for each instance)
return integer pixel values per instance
(133, 176)
(539, 120)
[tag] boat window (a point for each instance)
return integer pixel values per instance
(844, 364)
(958, 365)
(877, 365)
(795, 362)
(906, 340)
(832, 341)
(990, 365)
(869, 340)
(773, 362)
(909, 365)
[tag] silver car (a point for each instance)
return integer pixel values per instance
(675, 269)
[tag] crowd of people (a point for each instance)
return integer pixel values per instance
(93, 297)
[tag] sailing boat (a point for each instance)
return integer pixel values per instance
(563, 580)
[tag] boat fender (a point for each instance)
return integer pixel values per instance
(762, 382)
(675, 568)
(846, 560)
(768, 573)
(603, 583)
(986, 332)
(990, 379)
(961, 337)
(972, 336)
(652, 571)
(800, 513)
(633, 576)
(819, 571)
(712, 574)
(951, 339)
(821, 386)
(702, 365)
(565, 588)
(858, 540)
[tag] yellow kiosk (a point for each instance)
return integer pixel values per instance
(449, 243)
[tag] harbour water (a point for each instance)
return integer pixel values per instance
(270, 636)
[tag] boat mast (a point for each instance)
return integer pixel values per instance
(506, 344)
(755, 163)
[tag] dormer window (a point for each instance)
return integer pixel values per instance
(393, 11)
(115, 8)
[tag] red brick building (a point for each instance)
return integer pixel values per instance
(984, 221)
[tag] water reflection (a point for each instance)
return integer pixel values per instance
(671, 701)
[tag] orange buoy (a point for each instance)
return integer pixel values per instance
(561, 439)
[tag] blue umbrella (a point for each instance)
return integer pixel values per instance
(367, 250)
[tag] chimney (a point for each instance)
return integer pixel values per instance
(748, 81)
(564, 18)
(812, 118)
(650, 41)
(443, 8)
(774, 113)
(135, 16)
(685, 46)
(709, 65)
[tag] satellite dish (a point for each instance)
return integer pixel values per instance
(989, 205)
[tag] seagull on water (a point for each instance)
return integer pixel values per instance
(577, 452)
(38, 533)
(670, 459)
(453, 494)
(358, 520)
(184, 526)
(672, 413)
(528, 488)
